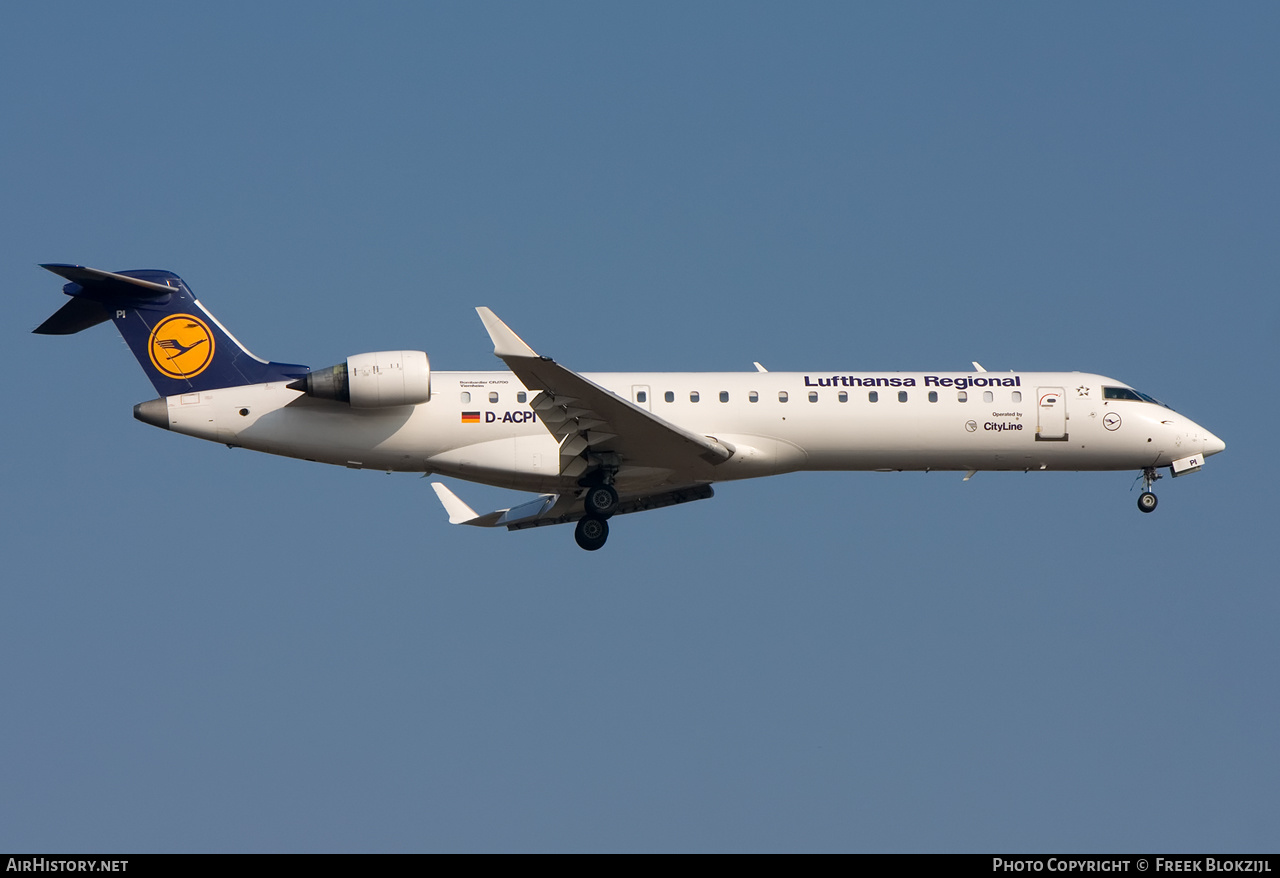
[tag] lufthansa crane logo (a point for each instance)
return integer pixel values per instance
(181, 346)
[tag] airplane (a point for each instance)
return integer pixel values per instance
(597, 445)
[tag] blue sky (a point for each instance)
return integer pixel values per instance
(212, 650)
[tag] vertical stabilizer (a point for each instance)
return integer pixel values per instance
(180, 345)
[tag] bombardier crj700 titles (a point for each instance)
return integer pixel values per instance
(603, 444)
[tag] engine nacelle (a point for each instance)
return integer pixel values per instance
(383, 378)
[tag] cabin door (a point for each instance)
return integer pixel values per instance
(1051, 413)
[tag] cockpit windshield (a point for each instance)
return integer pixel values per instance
(1129, 393)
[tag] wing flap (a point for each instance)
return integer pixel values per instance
(567, 509)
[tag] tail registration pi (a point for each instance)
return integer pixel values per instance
(597, 445)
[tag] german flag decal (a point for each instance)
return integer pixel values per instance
(470, 417)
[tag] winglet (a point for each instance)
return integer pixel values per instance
(505, 342)
(459, 512)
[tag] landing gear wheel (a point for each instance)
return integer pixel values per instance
(591, 532)
(1147, 501)
(601, 500)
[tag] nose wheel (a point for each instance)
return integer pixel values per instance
(1146, 500)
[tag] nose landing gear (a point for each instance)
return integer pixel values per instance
(1146, 500)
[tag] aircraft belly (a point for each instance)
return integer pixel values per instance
(526, 463)
(948, 441)
(275, 420)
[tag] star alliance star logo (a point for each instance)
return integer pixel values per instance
(1082, 391)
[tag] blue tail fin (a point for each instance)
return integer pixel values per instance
(181, 346)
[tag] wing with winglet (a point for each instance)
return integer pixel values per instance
(589, 419)
(560, 509)
(461, 513)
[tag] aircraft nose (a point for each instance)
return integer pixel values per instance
(1212, 444)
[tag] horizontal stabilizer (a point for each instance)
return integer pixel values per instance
(75, 316)
(93, 291)
(107, 284)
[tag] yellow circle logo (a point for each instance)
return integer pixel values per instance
(181, 346)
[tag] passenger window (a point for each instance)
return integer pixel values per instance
(1017, 396)
(782, 396)
(669, 396)
(693, 396)
(933, 396)
(962, 396)
(493, 396)
(987, 396)
(466, 396)
(843, 396)
(724, 396)
(641, 396)
(902, 396)
(753, 397)
(873, 397)
(813, 396)
(521, 396)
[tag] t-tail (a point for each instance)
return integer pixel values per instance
(181, 346)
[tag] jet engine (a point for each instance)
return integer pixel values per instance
(383, 378)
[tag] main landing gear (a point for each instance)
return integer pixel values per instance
(591, 532)
(600, 502)
(1147, 500)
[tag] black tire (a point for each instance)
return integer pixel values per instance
(1147, 501)
(600, 501)
(591, 532)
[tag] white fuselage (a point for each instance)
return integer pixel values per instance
(479, 426)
